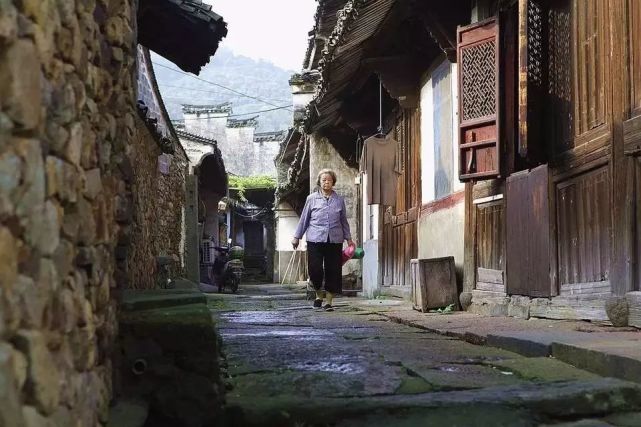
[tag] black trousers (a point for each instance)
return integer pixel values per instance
(324, 260)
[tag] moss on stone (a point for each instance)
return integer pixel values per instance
(542, 369)
(414, 385)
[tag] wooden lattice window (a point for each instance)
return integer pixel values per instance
(478, 58)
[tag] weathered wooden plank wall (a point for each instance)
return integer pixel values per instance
(584, 228)
(490, 234)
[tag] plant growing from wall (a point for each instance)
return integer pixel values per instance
(244, 183)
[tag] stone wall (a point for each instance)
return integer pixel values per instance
(67, 120)
(157, 211)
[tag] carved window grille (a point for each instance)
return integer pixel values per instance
(535, 47)
(479, 136)
(478, 65)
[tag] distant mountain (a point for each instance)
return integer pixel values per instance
(260, 79)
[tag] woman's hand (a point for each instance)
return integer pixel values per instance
(350, 242)
(295, 242)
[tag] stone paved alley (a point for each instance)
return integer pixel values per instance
(290, 365)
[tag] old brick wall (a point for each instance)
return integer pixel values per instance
(158, 203)
(67, 121)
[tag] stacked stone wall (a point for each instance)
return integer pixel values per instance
(158, 203)
(67, 123)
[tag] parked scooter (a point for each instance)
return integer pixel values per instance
(229, 267)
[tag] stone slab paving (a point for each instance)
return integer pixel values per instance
(599, 348)
(291, 365)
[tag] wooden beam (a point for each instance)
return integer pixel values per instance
(523, 79)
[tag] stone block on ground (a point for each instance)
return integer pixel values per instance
(634, 308)
(128, 413)
(133, 300)
(182, 283)
(171, 357)
(617, 311)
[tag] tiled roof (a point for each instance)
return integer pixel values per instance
(196, 138)
(186, 32)
(356, 22)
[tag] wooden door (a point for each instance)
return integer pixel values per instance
(528, 228)
(399, 235)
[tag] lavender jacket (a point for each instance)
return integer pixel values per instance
(324, 218)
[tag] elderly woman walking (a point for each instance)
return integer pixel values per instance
(325, 222)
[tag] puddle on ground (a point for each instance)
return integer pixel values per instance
(255, 317)
(448, 369)
(337, 364)
(332, 367)
(306, 333)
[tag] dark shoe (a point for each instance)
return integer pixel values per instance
(328, 307)
(318, 304)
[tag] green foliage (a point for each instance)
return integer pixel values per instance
(244, 183)
(444, 310)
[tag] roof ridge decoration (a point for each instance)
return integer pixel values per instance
(272, 136)
(225, 107)
(250, 122)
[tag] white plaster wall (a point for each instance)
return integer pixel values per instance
(210, 125)
(286, 223)
(427, 138)
(457, 185)
(427, 143)
(441, 234)
(195, 151)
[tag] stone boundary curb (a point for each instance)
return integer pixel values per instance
(592, 360)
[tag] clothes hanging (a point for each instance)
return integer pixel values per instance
(380, 163)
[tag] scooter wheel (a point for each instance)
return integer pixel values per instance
(234, 284)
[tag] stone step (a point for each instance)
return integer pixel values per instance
(508, 405)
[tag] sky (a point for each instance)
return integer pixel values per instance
(273, 30)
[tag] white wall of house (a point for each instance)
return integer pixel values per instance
(286, 222)
(195, 151)
(441, 225)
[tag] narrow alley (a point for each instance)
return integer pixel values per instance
(290, 365)
(318, 213)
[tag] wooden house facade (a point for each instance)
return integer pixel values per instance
(546, 140)
(548, 150)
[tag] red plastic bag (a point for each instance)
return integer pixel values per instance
(348, 253)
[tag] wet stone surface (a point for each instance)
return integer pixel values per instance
(290, 365)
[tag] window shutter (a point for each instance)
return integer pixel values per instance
(478, 58)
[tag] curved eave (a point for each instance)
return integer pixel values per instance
(186, 32)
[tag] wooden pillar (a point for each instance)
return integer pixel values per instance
(469, 254)
(621, 276)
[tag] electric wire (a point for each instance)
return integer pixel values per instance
(215, 84)
(215, 92)
(239, 114)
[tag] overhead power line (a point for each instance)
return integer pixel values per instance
(241, 114)
(215, 84)
(209, 91)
